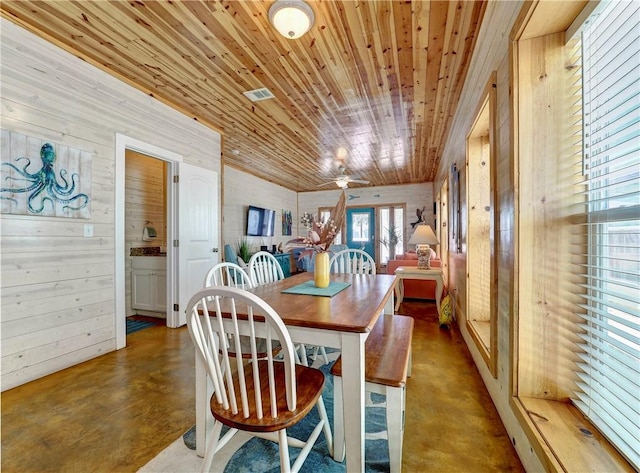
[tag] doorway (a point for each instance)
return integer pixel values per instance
(146, 182)
(390, 232)
(361, 225)
(124, 144)
(192, 215)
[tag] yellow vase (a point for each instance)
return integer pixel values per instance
(321, 270)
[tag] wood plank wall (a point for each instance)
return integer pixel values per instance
(415, 196)
(491, 54)
(57, 288)
(240, 191)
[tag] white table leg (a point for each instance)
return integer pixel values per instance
(338, 420)
(400, 291)
(439, 288)
(353, 399)
(201, 406)
(390, 306)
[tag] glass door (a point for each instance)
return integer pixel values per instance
(390, 232)
(361, 229)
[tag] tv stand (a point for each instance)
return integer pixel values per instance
(284, 259)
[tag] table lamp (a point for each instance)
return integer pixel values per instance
(422, 237)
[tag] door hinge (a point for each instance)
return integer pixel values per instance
(176, 308)
(176, 243)
(176, 179)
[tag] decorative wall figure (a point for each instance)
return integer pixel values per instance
(60, 187)
(421, 217)
(287, 221)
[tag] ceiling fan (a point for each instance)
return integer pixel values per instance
(342, 180)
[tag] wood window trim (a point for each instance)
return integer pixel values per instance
(563, 439)
(554, 427)
(485, 333)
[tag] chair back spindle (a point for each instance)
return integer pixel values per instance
(352, 261)
(264, 269)
(228, 274)
(232, 384)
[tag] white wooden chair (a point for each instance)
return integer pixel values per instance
(259, 396)
(232, 275)
(264, 269)
(352, 261)
(228, 274)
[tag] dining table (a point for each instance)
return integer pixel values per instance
(341, 321)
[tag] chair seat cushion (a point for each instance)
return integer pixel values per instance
(309, 382)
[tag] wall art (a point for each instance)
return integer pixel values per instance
(43, 178)
(287, 221)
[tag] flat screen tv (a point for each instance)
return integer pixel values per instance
(260, 222)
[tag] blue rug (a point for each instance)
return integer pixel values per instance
(261, 456)
(137, 325)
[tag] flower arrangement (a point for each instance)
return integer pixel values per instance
(320, 234)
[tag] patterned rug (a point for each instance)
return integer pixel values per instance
(259, 455)
(135, 324)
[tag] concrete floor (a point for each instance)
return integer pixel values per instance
(116, 412)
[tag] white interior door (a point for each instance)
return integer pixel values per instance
(197, 232)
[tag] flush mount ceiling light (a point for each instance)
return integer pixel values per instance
(292, 18)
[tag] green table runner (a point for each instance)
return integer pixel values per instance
(310, 289)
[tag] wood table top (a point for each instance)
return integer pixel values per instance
(354, 309)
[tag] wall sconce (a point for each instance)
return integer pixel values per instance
(292, 18)
(422, 237)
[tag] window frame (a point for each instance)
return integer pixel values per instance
(482, 275)
(544, 327)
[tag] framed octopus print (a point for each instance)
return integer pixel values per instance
(42, 178)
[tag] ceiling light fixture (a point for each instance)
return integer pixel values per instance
(292, 18)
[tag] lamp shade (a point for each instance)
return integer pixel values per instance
(423, 235)
(292, 18)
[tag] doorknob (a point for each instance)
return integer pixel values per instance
(214, 250)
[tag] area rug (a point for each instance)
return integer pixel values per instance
(254, 455)
(136, 324)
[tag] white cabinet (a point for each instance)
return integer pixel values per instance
(149, 283)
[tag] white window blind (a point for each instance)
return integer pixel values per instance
(609, 368)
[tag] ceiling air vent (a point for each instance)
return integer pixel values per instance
(259, 94)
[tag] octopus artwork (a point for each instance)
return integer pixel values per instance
(44, 186)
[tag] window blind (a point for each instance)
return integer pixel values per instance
(608, 369)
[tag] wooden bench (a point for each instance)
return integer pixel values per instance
(387, 364)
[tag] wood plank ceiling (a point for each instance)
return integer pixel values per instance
(373, 86)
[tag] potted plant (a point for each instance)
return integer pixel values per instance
(244, 249)
(391, 240)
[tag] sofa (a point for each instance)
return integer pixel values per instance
(414, 289)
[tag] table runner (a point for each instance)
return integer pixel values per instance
(309, 288)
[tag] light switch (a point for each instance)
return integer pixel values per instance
(88, 230)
